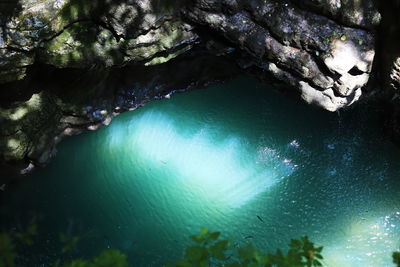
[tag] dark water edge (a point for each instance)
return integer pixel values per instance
(218, 157)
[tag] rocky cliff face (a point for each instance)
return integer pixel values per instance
(325, 49)
(79, 34)
(327, 59)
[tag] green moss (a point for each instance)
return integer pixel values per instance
(82, 45)
(12, 74)
(25, 124)
(160, 60)
(77, 9)
(161, 40)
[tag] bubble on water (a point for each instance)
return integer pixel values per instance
(294, 143)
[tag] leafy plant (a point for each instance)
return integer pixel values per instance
(396, 258)
(109, 257)
(209, 251)
(12, 244)
(70, 242)
(7, 250)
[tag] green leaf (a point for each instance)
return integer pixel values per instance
(24, 239)
(343, 37)
(196, 253)
(262, 259)
(295, 244)
(32, 230)
(111, 257)
(198, 238)
(319, 256)
(78, 263)
(201, 236)
(204, 263)
(218, 250)
(319, 249)
(317, 263)
(203, 231)
(7, 250)
(183, 263)
(396, 258)
(215, 235)
(69, 242)
(247, 252)
(234, 264)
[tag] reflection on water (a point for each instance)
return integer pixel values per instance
(221, 157)
(367, 242)
(225, 172)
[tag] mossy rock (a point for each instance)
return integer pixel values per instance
(168, 37)
(80, 46)
(26, 123)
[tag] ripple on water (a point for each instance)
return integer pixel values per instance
(155, 175)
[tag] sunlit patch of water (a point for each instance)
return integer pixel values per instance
(223, 171)
(366, 242)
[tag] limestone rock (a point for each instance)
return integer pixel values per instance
(80, 34)
(312, 49)
(359, 13)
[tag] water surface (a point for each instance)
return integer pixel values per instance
(219, 157)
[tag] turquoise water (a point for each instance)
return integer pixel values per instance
(219, 157)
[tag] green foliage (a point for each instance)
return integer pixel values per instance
(396, 258)
(109, 257)
(7, 250)
(70, 242)
(209, 251)
(12, 244)
(26, 237)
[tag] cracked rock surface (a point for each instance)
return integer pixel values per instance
(79, 34)
(328, 62)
